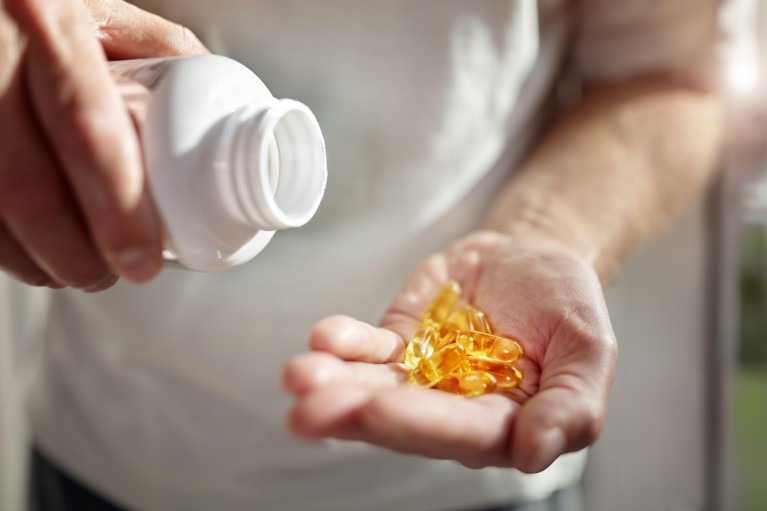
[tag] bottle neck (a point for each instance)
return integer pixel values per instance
(277, 164)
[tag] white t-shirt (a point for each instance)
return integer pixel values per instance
(167, 396)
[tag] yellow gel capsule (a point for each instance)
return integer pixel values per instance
(443, 362)
(475, 343)
(456, 320)
(465, 367)
(506, 375)
(477, 321)
(419, 378)
(488, 345)
(421, 346)
(506, 350)
(442, 304)
(466, 318)
(444, 340)
(470, 384)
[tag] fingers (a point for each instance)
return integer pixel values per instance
(567, 414)
(330, 391)
(90, 132)
(73, 199)
(15, 261)
(309, 371)
(330, 411)
(127, 32)
(439, 425)
(38, 209)
(410, 420)
(363, 401)
(350, 339)
(551, 423)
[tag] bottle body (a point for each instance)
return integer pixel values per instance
(227, 163)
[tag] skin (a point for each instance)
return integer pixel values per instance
(74, 206)
(609, 173)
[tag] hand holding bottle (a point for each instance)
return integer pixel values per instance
(351, 385)
(74, 207)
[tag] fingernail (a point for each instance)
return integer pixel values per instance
(552, 444)
(137, 265)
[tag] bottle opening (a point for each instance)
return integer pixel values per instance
(299, 157)
(286, 186)
(273, 161)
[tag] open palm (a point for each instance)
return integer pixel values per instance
(352, 386)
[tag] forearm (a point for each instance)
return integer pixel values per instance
(613, 169)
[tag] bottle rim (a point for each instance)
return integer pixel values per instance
(280, 140)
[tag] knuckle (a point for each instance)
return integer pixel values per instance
(90, 127)
(102, 160)
(189, 41)
(26, 275)
(86, 128)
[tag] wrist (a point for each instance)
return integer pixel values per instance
(553, 227)
(536, 246)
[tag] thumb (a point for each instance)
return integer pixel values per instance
(127, 32)
(551, 423)
(568, 411)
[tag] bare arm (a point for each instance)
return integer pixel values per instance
(613, 169)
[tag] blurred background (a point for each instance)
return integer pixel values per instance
(687, 423)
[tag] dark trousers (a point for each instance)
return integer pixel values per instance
(51, 489)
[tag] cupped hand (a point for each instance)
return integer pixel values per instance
(74, 206)
(352, 385)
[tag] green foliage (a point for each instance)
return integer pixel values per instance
(750, 416)
(753, 297)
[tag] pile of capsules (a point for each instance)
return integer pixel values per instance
(456, 351)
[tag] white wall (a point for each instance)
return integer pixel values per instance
(653, 453)
(11, 433)
(20, 308)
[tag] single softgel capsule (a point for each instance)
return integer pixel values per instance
(471, 384)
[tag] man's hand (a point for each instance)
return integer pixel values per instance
(74, 205)
(352, 387)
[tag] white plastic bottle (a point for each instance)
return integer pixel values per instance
(228, 164)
